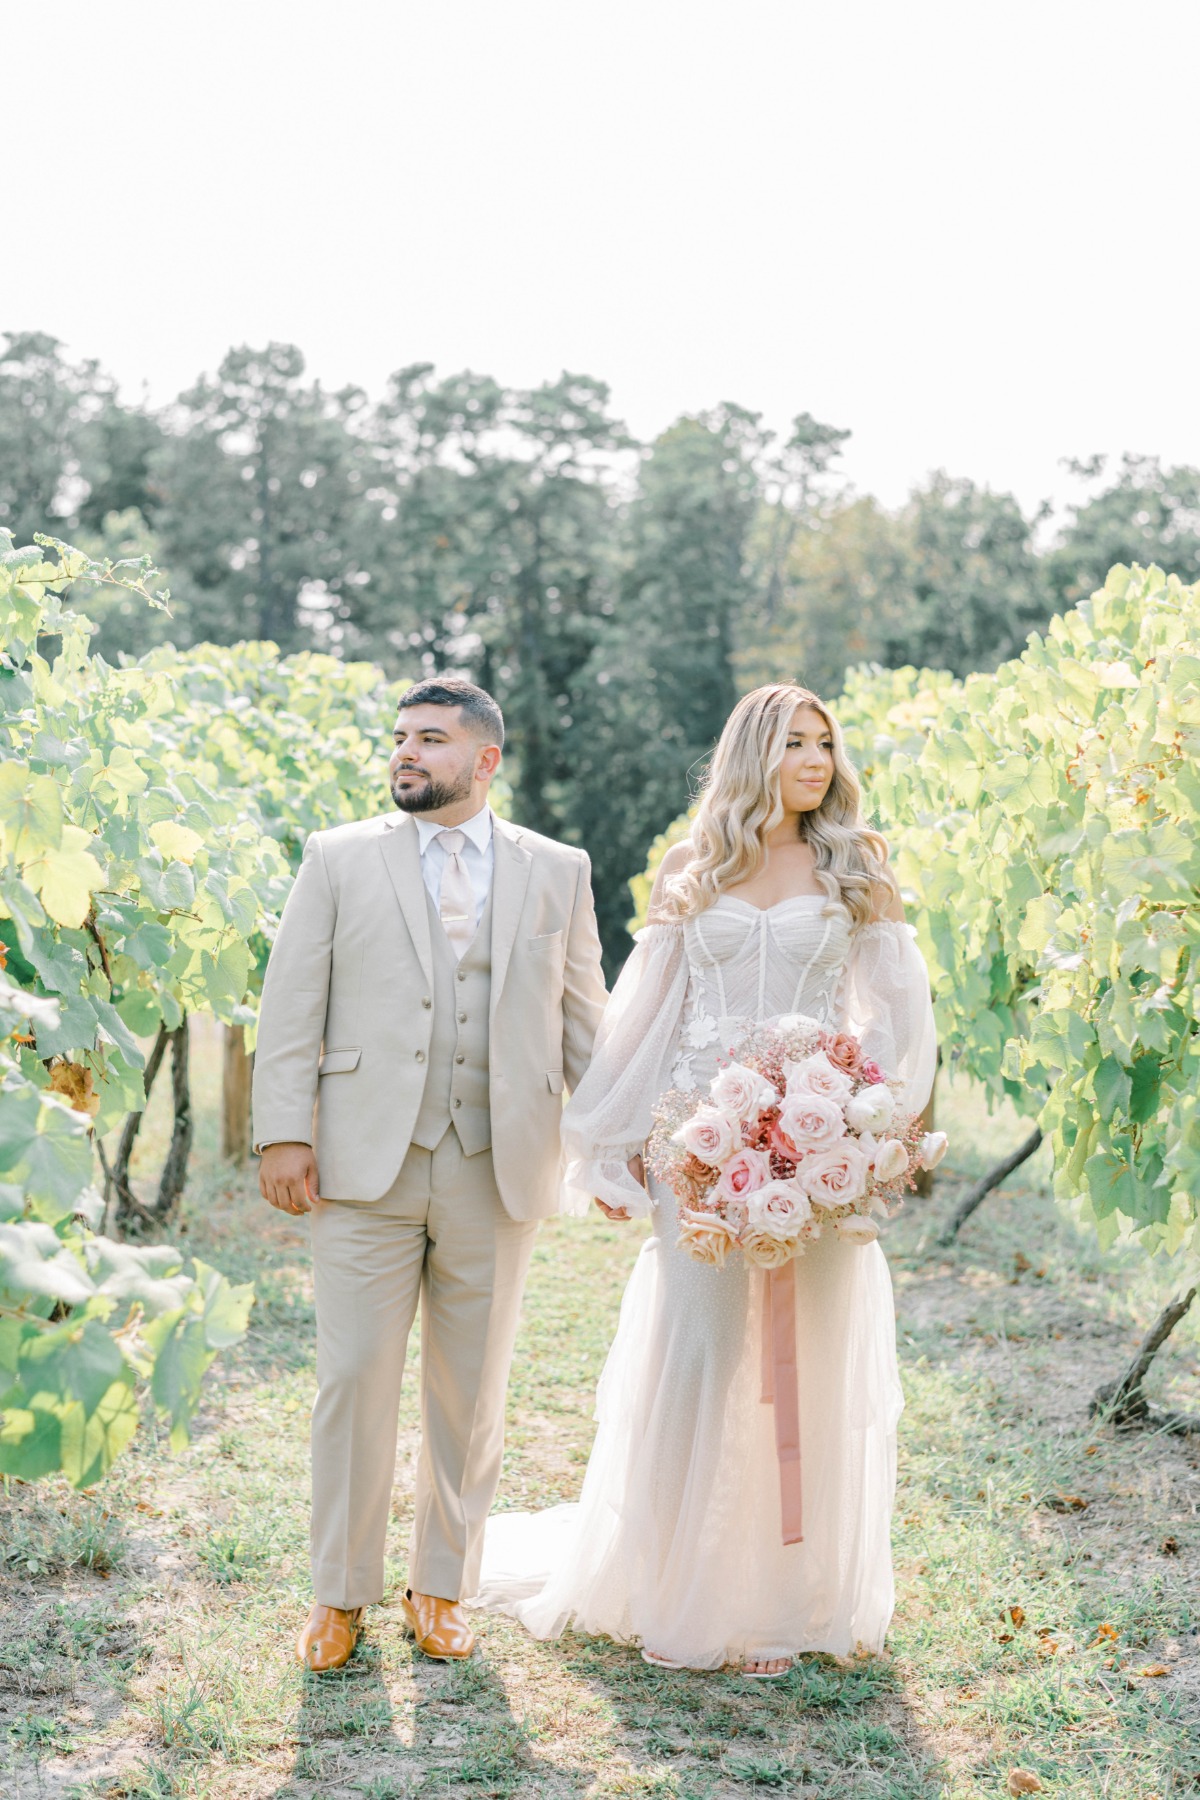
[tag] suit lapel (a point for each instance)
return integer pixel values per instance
(401, 849)
(509, 882)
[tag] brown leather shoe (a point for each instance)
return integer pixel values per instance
(439, 1626)
(328, 1638)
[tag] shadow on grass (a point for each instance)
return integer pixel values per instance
(835, 1728)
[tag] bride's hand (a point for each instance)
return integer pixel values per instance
(620, 1214)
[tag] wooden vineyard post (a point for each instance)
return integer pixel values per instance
(235, 1097)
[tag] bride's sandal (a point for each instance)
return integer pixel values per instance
(661, 1662)
(787, 1664)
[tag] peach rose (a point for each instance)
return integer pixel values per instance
(837, 1176)
(767, 1252)
(844, 1052)
(706, 1237)
(711, 1135)
(815, 1074)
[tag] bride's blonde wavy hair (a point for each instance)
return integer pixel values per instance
(741, 802)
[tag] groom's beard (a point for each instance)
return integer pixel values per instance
(431, 794)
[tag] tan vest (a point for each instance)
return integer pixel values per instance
(456, 1084)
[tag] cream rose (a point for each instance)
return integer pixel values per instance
(816, 1075)
(870, 1109)
(706, 1237)
(855, 1229)
(891, 1160)
(711, 1135)
(743, 1175)
(743, 1092)
(933, 1148)
(767, 1252)
(809, 1122)
(837, 1176)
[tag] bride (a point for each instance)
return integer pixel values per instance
(781, 901)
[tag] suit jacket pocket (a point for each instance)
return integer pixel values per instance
(555, 1079)
(551, 940)
(338, 1062)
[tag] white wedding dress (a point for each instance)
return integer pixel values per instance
(676, 1540)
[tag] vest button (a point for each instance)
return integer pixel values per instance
(458, 1103)
(460, 975)
(427, 1001)
(460, 1058)
(420, 1056)
(462, 1018)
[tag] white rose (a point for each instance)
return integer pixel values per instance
(711, 1134)
(742, 1091)
(837, 1176)
(871, 1108)
(810, 1122)
(891, 1160)
(817, 1075)
(856, 1230)
(933, 1148)
(780, 1209)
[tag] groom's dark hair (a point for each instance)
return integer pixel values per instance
(479, 710)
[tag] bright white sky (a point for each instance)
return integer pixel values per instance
(967, 231)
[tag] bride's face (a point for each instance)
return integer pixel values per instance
(807, 768)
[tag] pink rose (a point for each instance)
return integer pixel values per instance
(871, 1071)
(836, 1176)
(743, 1092)
(711, 1134)
(779, 1209)
(816, 1075)
(746, 1172)
(809, 1122)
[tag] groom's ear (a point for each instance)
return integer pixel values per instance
(487, 762)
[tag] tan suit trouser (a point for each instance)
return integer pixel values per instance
(441, 1234)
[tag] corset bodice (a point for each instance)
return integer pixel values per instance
(747, 964)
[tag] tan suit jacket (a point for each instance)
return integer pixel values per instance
(347, 1008)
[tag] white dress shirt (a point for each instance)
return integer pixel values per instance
(478, 853)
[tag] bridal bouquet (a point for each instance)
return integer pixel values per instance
(799, 1130)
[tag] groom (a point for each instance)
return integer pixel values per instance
(434, 984)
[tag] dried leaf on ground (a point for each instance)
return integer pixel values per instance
(1023, 1781)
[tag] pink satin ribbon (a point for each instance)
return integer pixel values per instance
(781, 1388)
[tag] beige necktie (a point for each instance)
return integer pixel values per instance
(456, 900)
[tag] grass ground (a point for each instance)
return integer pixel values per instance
(1048, 1612)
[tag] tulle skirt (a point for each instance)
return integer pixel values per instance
(676, 1541)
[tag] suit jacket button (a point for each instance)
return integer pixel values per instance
(460, 1058)
(420, 1056)
(461, 975)
(427, 1001)
(462, 1018)
(458, 1103)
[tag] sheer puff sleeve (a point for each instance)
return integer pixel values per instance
(608, 1117)
(889, 1009)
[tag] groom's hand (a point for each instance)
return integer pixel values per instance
(620, 1214)
(287, 1177)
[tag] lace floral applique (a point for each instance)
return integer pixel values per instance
(698, 1029)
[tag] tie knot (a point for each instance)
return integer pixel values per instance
(453, 841)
